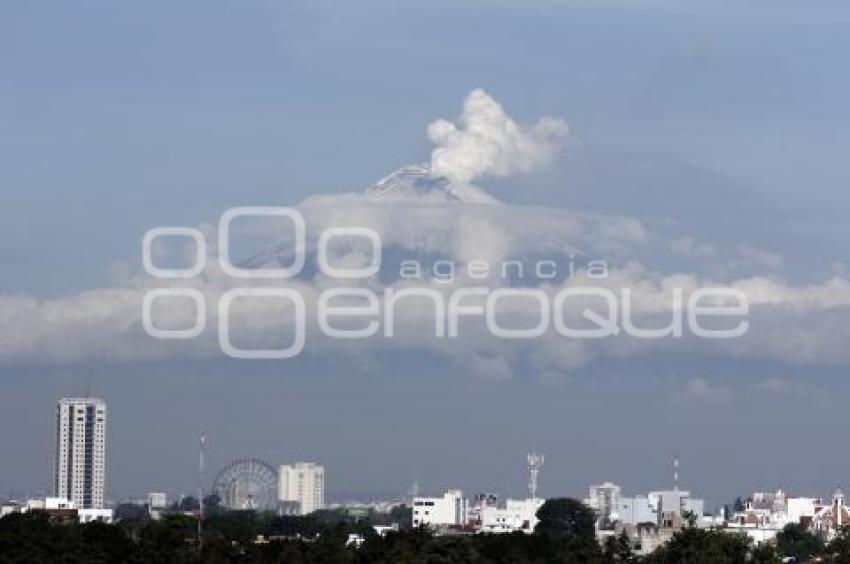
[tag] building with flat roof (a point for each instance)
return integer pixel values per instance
(517, 515)
(302, 485)
(80, 459)
(447, 511)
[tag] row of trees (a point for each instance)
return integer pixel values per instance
(565, 535)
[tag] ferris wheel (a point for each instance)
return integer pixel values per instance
(247, 484)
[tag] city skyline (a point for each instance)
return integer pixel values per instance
(293, 498)
(511, 481)
(81, 426)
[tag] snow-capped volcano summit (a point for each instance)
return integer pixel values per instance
(415, 182)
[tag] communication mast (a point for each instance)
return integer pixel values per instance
(535, 461)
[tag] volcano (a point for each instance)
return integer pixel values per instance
(415, 182)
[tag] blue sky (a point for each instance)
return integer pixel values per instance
(727, 122)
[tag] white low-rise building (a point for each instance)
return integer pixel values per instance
(92, 515)
(766, 514)
(634, 511)
(447, 511)
(48, 503)
(11, 507)
(53, 503)
(799, 509)
(516, 515)
(670, 505)
(830, 519)
(157, 500)
(383, 530)
(663, 508)
(604, 499)
(157, 504)
(60, 504)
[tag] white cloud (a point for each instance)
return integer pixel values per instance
(796, 387)
(799, 325)
(488, 368)
(760, 258)
(701, 391)
(688, 247)
(776, 385)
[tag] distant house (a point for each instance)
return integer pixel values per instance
(830, 518)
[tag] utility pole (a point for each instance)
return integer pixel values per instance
(201, 492)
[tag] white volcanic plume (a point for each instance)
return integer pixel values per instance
(486, 141)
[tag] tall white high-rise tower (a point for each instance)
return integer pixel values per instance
(80, 471)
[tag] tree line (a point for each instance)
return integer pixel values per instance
(565, 534)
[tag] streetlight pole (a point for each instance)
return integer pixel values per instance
(201, 492)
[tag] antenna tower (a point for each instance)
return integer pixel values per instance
(535, 461)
